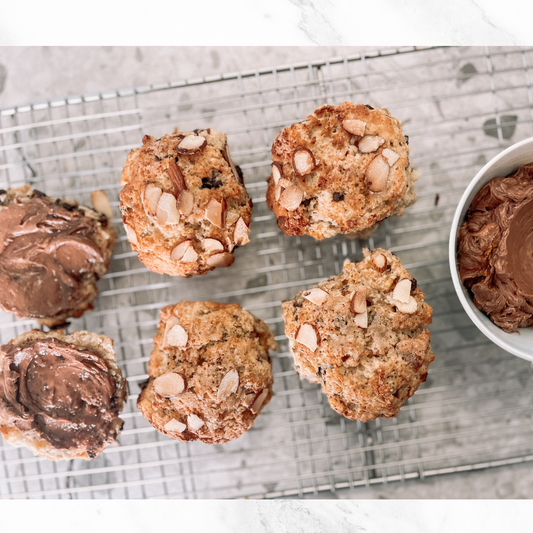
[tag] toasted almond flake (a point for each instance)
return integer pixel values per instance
(390, 155)
(361, 319)
(130, 233)
(307, 336)
(214, 212)
(194, 422)
(291, 198)
(249, 399)
(303, 161)
(316, 295)
(402, 291)
(358, 302)
(260, 400)
(380, 263)
(408, 308)
(179, 251)
(177, 336)
(191, 144)
(220, 260)
(171, 322)
(190, 255)
(277, 172)
(101, 203)
(284, 183)
(152, 194)
(212, 245)
(169, 385)
(175, 425)
(185, 203)
(167, 212)
(377, 174)
(240, 235)
(354, 126)
(370, 143)
(415, 174)
(228, 385)
(231, 217)
(176, 177)
(231, 163)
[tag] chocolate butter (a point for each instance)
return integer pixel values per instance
(496, 250)
(62, 391)
(46, 253)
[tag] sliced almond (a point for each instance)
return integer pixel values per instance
(169, 385)
(179, 251)
(152, 194)
(177, 336)
(194, 422)
(190, 255)
(307, 336)
(249, 399)
(358, 303)
(101, 203)
(390, 155)
(175, 425)
(354, 126)
(231, 217)
(176, 177)
(214, 212)
(370, 143)
(167, 212)
(291, 198)
(185, 203)
(171, 322)
(191, 144)
(231, 163)
(380, 262)
(130, 233)
(402, 291)
(284, 183)
(316, 295)
(260, 400)
(228, 385)
(277, 172)
(377, 174)
(361, 319)
(220, 260)
(409, 308)
(212, 245)
(240, 235)
(303, 161)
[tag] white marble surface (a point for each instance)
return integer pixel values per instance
(264, 22)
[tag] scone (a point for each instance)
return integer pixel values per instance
(184, 205)
(361, 336)
(52, 253)
(342, 170)
(210, 372)
(60, 395)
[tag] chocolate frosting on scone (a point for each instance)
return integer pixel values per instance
(496, 250)
(46, 252)
(63, 392)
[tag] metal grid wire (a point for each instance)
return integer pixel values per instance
(459, 106)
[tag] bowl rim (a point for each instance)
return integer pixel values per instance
(465, 300)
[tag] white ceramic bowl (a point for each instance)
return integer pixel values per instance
(503, 164)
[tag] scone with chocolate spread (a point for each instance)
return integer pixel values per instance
(210, 372)
(341, 171)
(361, 336)
(61, 395)
(184, 205)
(52, 253)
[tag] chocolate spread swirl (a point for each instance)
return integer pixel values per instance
(496, 250)
(46, 253)
(62, 391)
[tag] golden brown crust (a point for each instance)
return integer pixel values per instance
(208, 175)
(99, 344)
(365, 372)
(337, 197)
(221, 338)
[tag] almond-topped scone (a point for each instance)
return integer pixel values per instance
(210, 372)
(61, 395)
(184, 204)
(361, 336)
(52, 253)
(342, 170)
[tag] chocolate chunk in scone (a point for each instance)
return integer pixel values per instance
(361, 336)
(341, 171)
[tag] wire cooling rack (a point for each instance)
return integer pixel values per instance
(459, 106)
